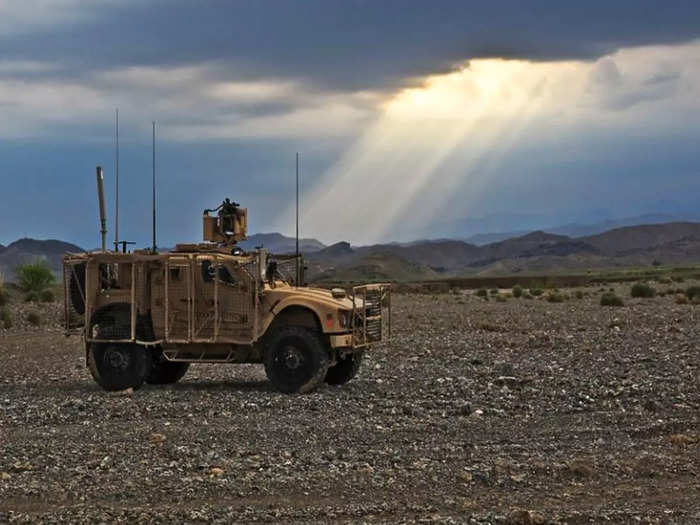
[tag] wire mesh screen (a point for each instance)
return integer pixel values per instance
(177, 311)
(236, 302)
(286, 268)
(74, 295)
(371, 314)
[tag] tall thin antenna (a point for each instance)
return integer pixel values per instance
(297, 234)
(116, 171)
(154, 185)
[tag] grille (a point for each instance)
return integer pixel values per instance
(374, 330)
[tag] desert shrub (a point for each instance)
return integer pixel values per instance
(47, 296)
(663, 280)
(536, 291)
(31, 297)
(555, 297)
(578, 294)
(517, 291)
(692, 291)
(4, 299)
(610, 299)
(34, 276)
(493, 291)
(681, 299)
(5, 318)
(33, 318)
(642, 290)
(482, 292)
(528, 295)
(678, 279)
(500, 298)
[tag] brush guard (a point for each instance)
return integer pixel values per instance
(371, 314)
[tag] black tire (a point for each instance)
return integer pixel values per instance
(345, 369)
(118, 366)
(164, 372)
(76, 288)
(296, 360)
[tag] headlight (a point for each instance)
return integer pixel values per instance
(344, 318)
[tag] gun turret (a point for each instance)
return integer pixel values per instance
(229, 226)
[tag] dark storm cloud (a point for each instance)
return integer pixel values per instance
(350, 44)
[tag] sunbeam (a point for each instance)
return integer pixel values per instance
(395, 177)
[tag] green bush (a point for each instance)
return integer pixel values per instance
(517, 291)
(33, 318)
(663, 280)
(692, 291)
(482, 292)
(579, 294)
(493, 291)
(555, 297)
(642, 290)
(5, 318)
(527, 295)
(500, 298)
(681, 299)
(536, 291)
(35, 276)
(610, 299)
(47, 296)
(4, 298)
(31, 297)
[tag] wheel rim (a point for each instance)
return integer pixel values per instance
(292, 365)
(116, 359)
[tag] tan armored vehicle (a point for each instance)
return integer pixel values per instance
(145, 316)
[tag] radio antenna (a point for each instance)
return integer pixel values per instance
(297, 232)
(154, 186)
(116, 171)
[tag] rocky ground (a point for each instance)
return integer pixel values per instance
(521, 411)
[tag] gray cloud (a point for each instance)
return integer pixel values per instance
(349, 44)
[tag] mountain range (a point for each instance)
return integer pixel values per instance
(533, 252)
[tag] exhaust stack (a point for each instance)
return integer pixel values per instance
(101, 200)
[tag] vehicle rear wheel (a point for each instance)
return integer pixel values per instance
(164, 372)
(345, 369)
(296, 360)
(118, 366)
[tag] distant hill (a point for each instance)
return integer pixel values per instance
(278, 243)
(25, 250)
(537, 251)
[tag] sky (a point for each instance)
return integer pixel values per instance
(413, 119)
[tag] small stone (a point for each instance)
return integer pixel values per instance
(465, 476)
(4, 476)
(123, 393)
(157, 438)
(216, 472)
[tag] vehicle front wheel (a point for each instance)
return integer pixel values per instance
(345, 368)
(118, 366)
(164, 372)
(296, 360)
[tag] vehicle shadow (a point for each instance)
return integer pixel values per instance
(250, 385)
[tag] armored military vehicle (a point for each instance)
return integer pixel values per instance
(145, 316)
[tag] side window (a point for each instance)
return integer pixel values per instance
(209, 271)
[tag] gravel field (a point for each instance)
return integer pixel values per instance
(521, 411)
